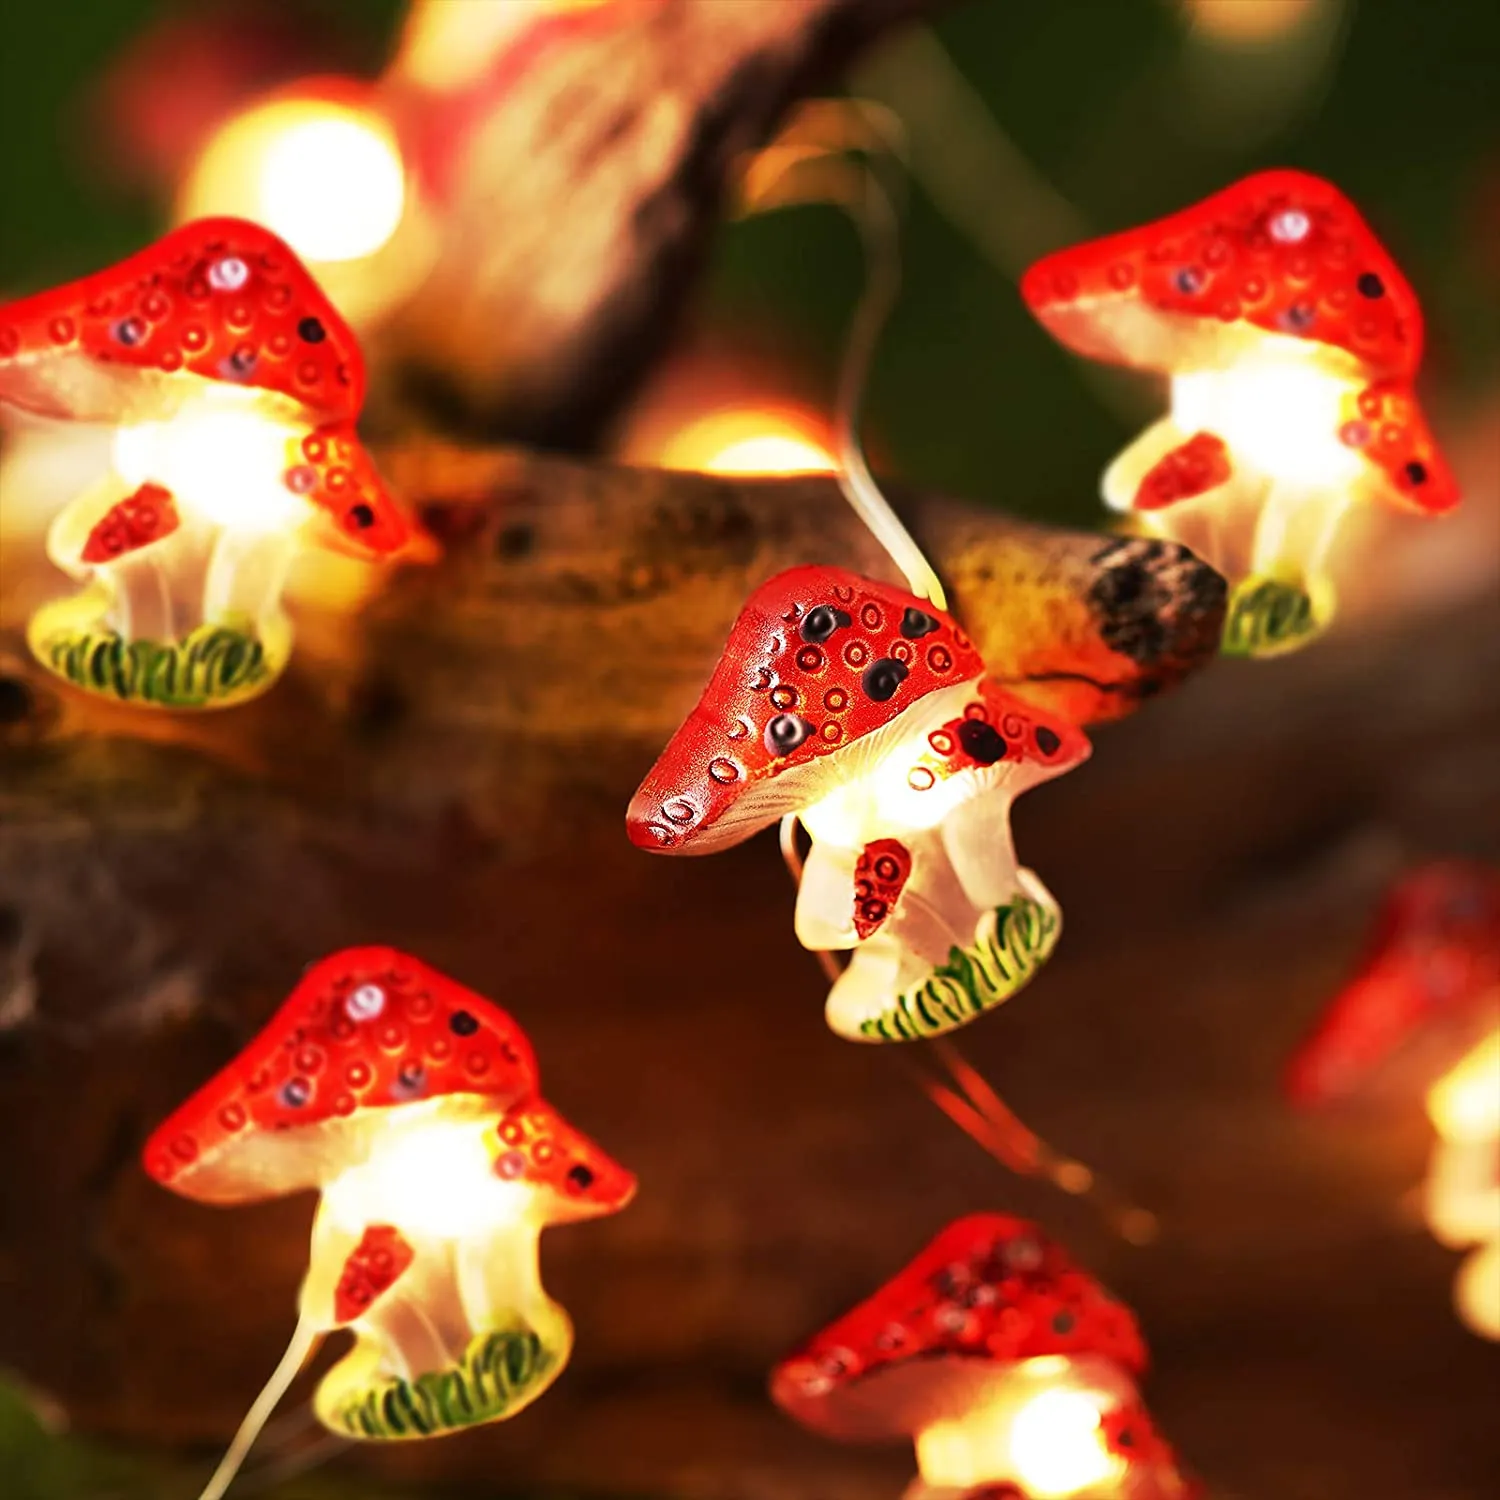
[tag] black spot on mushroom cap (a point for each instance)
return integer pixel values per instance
(1370, 285)
(581, 1177)
(1416, 472)
(916, 623)
(821, 622)
(1047, 741)
(882, 678)
(311, 331)
(361, 516)
(982, 741)
(461, 1023)
(785, 732)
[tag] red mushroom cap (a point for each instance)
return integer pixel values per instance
(539, 1147)
(1280, 252)
(334, 470)
(819, 661)
(1427, 990)
(999, 730)
(222, 300)
(988, 1292)
(1385, 423)
(146, 516)
(366, 1030)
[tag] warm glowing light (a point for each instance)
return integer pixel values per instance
(1464, 1104)
(1058, 1445)
(1052, 1444)
(1247, 21)
(1279, 411)
(750, 440)
(1476, 1291)
(883, 799)
(1463, 1180)
(326, 176)
(433, 1177)
(223, 460)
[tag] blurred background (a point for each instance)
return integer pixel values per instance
(1029, 125)
(1300, 1318)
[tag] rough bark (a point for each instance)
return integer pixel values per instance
(590, 193)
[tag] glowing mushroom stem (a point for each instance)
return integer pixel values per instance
(304, 1341)
(245, 576)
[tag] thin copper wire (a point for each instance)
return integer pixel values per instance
(971, 1102)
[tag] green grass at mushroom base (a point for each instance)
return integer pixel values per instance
(1013, 942)
(1270, 616)
(215, 666)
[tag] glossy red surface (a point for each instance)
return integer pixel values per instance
(374, 1266)
(367, 1032)
(1283, 252)
(879, 875)
(820, 655)
(223, 299)
(989, 1288)
(1193, 468)
(141, 518)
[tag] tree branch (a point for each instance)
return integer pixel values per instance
(570, 625)
(588, 196)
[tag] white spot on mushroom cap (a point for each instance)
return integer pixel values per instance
(365, 1003)
(228, 274)
(1290, 227)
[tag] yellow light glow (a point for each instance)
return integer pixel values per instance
(882, 800)
(1058, 1447)
(1464, 1104)
(1476, 1292)
(1049, 1441)
(750, 440)
(1247, 21)
(327, 177)
(1279, 411)
(432, 1177)
(222, 462)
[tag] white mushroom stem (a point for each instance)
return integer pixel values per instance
(245, 575)
(475, 1243)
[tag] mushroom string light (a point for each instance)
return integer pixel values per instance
(865, 713)
(1012, 1371)
(412, 1106)
(1423, 1014)
(232, 388)
(1291, 340)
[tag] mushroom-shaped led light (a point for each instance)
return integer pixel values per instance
(1291, 339)
(865, 713)
(1002, 1361)
(1422, 1015)
(1425, 993)
(232, 387)
(412, 1106)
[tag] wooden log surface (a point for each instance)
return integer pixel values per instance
(422, 780)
